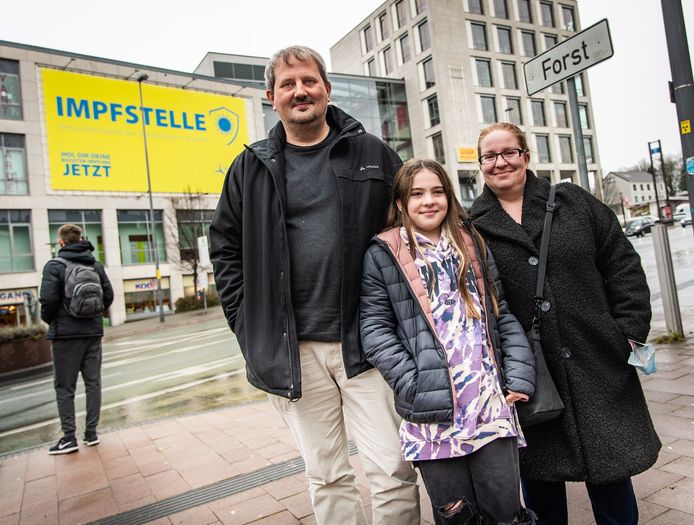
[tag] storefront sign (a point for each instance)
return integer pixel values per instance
(15, 296)
(144, 285)
(96, 140)
(467, 155)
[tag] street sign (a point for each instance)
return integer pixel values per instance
(203, 251)
(567, 59)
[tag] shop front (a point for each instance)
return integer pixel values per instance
(141, 298)
(18, 307)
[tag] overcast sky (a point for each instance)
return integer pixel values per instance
(629, 91)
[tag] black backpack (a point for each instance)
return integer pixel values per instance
(83, 294)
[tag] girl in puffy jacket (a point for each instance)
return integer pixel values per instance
(435, 323)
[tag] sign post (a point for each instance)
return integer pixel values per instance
(566, 60)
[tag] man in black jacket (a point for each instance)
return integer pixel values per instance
(76, 341)
(291, 228)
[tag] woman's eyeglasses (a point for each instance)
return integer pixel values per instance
(508, 155)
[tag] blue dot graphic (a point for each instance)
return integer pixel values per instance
(224, 124)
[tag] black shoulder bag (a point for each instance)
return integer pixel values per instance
(545, 404)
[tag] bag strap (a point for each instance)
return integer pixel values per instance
(544, 248)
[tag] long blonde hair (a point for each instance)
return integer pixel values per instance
(452, 224)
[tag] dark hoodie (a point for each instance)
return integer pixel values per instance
(62, 325)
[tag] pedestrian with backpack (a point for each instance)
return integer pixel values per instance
(75, 294)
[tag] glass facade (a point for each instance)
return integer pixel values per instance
(192, 223)
(88, 220)
(380, 105)
(10, 93)
(134, 234)
(16, 246)
(13, 168)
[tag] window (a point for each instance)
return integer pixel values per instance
(368, 39)
(641, 187)
(400, 14)
(543, 153)
(10, 94)
(567, 18)
(648, 187)
(134, 235)
(557, 89)
(538, 107)
(550, 41)
(420, 6)
(512, 111)
(583, 116)
(524, 12)
(567, 155)
(240, 71)
(405, 48)
(475, 7)
(500, 9)
(508, 71)
(468, 187)
(504, 36)
(580, 91)
(488, 109)
(88, 220)
(588, 148)
(433, 108)
(13, 169)
(16, 253)
(388, 60)
(484, 72)
(547, 14)
(528, 38)
(562, 120)
(437, 147)
(428, 71)
(424, 40)
(371, 68)
(479, 36)
(383, 26)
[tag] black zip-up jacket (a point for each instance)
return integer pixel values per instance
(62, 325)
(250, 254)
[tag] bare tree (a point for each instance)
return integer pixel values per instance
(192, 220)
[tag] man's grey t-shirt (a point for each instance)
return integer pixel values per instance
(314, 228)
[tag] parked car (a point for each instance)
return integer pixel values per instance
(639, 226)
(682, 211)
(686, 221)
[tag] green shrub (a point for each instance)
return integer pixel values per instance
(188, 304)
(37, 331)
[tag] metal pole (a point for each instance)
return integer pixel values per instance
(578, 135)
(666, 279)
(683, 86)
(662, 169)
(655, 183)
(624, 213)
(153, 233)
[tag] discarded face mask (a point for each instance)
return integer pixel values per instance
(643, 357)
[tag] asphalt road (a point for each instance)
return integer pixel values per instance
(193, 368)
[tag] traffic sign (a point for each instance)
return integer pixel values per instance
(567, 59)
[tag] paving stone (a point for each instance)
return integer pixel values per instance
(672, 517)
(195, 516)
(652, 481)
(677, 496)
(683, 466)
(249, 510)
(87, 507)
(683, 447)
(299, 504)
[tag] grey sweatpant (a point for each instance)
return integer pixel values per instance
(70, 357)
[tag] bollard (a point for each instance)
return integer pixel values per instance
(666, 278)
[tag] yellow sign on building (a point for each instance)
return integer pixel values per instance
(96, 140)
(467, 154)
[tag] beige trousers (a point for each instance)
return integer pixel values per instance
(329, 403)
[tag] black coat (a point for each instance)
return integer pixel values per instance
(398, 334)
(599, 297)
(249, 251)
(62, 325)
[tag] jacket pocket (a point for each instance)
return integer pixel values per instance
(362, 174)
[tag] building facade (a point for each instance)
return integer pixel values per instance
(462, 65)
(72, 150)
(633, 194)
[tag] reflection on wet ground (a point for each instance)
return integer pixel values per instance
(210, 395)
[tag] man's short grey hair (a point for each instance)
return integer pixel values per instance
(297, 52)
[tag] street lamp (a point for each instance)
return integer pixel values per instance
(152, 232)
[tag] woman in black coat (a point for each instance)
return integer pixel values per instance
(599, 302)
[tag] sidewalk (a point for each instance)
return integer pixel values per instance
(240, 465)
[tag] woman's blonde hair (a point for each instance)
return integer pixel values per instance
(504, 126)
(451, 226)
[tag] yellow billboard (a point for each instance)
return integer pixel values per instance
(96, 137)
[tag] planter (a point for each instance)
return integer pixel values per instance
(24, 353)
